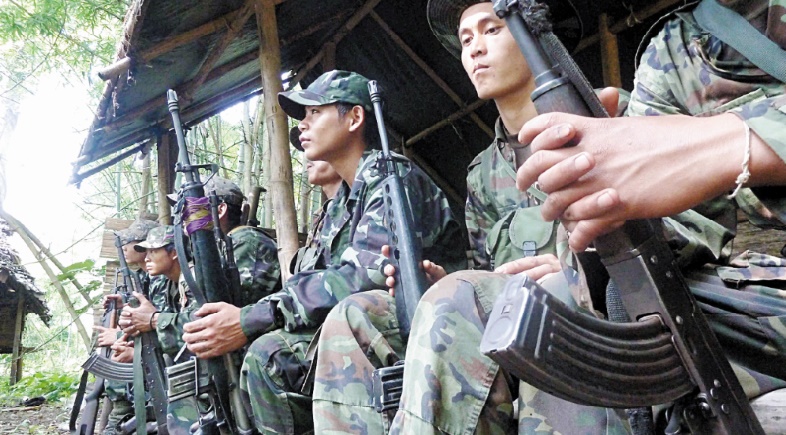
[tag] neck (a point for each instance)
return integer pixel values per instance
(174, 273)
(330, 189)
(516, 108)
(347, 164)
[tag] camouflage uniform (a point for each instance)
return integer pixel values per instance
(353, 234)
(436, 381)
(175, 303)
(118, 392)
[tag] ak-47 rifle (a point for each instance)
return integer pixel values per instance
(668, 353)
(88, 421)
(406, 255)
(217, 377)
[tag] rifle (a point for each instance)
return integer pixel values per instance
(88, 421)
(148, 370)
(668, 352)
(222, 373)
(406, 256)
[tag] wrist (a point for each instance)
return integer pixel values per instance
(154, 320)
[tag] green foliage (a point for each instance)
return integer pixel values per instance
(53, 386)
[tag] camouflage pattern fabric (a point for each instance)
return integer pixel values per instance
(272, 375)
(684, 71)
(181, 304)
(331, 87)
(157, 238)
(226, 190)
(351, 241)
(352, 238)
(122, 410)
(360, 335)
(256, 256)
(137, 231)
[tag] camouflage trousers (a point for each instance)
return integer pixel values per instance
(273, 372)
(359, 335)
(122, 409)
(181, 415)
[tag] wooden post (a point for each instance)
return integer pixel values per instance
(167, 153)
(19, 325)
(609, 53)
(280, 181)
(329, 58)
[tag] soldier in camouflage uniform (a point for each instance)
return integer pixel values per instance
(118, 392)
(169, 308)
(336, 126)
(738, 110)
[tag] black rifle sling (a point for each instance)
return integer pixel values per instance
(140, 405)
(735, 31)
(80, 396)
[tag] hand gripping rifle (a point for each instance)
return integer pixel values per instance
(406, 255)
(221, 385)
(668, 353)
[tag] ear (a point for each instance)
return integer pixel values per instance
(222, 210)
(357, 116)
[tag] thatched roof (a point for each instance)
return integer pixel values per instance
(208, 51)
(15, 278)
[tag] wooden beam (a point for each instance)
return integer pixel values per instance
(449, 120)
(647, 12)
(351, 23)
(280, 180)
(215, 53)
(429, 72)
(167, 148)
(16, 357)
(609, 53)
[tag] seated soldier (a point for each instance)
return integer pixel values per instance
(336, 126)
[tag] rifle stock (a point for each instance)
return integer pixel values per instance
(636, 256)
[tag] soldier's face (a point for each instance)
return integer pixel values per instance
(489, 53)
(159, 262)
(133, 256)
(324, 133)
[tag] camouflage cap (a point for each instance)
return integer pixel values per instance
(226, 190)
(331, 87)
(137, 231)
(157, 238)
(444, 17)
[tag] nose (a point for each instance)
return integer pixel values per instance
(302, 125)
(477, 46)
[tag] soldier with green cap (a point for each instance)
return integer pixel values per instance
(336, 126)
(173, 306)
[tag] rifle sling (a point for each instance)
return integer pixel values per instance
(80, 396)
(734, 30)
(140, 406)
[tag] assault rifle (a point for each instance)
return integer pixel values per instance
(406, 256)
(221, 376)
(668, 353)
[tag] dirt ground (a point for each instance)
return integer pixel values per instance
(47, 419)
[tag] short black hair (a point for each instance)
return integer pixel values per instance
(234, 213)
(370, 130)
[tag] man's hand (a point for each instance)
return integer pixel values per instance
(113, 297)
(217, 332)
(434, 272)
(628, 168)
(535, 267)
(137, 320)
(106, 336)
(123, 350)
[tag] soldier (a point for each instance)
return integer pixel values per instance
(117, 392)
(717, 111)
(360, 334)
(336, 126)
(169, 307)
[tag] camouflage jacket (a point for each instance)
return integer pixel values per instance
(351, 241)
(177, 305)
(491, 194)
(687, 71)
(256, 256)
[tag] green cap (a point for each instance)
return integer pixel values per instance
(157, 238)
(137, 231)
(444, 17)
(331, 87)
(226, 190)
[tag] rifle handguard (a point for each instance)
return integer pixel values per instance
(581, 358)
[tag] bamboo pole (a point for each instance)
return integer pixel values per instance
(26, 236)
(609, 53)
(280, 187)
(166, 180)
(16, 358)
